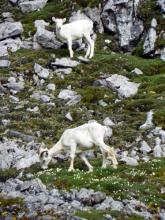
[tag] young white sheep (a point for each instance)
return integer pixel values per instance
(74, 31)
(79, 139)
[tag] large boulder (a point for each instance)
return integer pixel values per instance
(120, 84)
(119, 17)
(11, 155)
(149, 43)
(161, 4)
(9, 45)
(44, 37)
(71, 97)
(28, 6)
(10, 29)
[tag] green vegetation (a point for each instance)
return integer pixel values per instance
(142, 182)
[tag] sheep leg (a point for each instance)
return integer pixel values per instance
(69, 42)
(110, 152)
(90, 167)
(89, 41)
(72, 156)
(104, 164)
(88, 51)
(92, 49)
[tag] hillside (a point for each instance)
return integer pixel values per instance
(32, 112)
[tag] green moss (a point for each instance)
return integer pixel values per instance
(9, 173)
(143, 181)
(99, 215)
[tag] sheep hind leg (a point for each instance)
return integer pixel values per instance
(72, 156)
(111, 154)
(90, 167)
(89, 41)
(88, 51)
(69, 42)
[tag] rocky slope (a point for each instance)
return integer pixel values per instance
(43, 92)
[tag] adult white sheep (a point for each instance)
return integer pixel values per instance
(79, 139)
(74, 31)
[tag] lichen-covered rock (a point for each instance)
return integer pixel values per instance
(9, 45)
(44, 37)
(4, 63)
(119, 17)
(161, 3)
(120, 84)
(28, 6)
(65, 63)
(149, 43)
(41, 72)
(10, 29)
(70, 96)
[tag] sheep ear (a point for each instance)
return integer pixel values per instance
(54, 19)
(64, 20)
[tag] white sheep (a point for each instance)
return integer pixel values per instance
(79, 139)
(74, 31)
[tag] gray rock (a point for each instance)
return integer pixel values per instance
(120, 84)
(162, 134)
(70, 96)
(27, 161)
(108, 122)
(40, 97)
(65, 62)
(106, 204)
(130, 161)
(10, 29)
(88, 196)
(34, 185)
(13, 1)
(35, 109)
(83, 60)
(120, 17)
(162, 215)
(78, 15)
(44, 37)
(69, 116)
(157, 149)
(41, 72)
(137, 71)
(161, 52)
(145, 148)
(102, 103)
(161, 4)
(51, 86)
(17, 134)
(117, 206)
(5, 122)
(148, 123)
(95, 15)
(29, 6)
(16, 86)
(149, 43)
(4, 63)
(9, 45)
(64, 71)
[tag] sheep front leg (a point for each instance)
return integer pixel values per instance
(70, 47)
(104, 163)
(90, 167)
(110, 152)
(72, 156)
